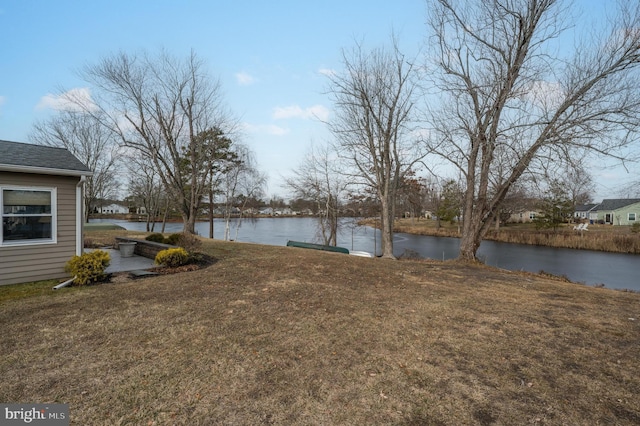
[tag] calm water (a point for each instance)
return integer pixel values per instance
(620, 271)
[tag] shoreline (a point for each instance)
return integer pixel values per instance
(602, 238)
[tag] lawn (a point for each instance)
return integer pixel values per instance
(277, 335)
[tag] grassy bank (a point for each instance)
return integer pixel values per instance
(276, 335)
(615, 239)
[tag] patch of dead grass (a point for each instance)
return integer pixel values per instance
(274, 335)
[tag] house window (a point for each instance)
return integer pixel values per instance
(632, 216)
(532, 215)
(28, 215)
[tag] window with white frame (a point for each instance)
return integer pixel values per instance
(28, 215)
(632, 216)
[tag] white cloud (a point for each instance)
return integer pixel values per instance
(327, 71)
(245, 79)
(2, 101)
(72, 100)
(295, 111)
(269, 129)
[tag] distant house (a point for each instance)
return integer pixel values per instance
(524, 216)
(619, 211)
(41, 209)
(113, 209)
(586, 212)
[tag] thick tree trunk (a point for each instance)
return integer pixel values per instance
(471, 221)
(476, 224)
(469, 244)
(386, 230)
(189, 222)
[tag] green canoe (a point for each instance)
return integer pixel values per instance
(317, 247)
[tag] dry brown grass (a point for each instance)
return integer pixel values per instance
(275, 335)
(615, 239)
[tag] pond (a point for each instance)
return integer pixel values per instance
(621, 271)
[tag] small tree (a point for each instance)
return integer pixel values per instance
(555, 208)
(319, 179)
(146, 191)
(412, 195)
(374, 105)
(450, 206)
(241, 181)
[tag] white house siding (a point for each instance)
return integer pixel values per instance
(115, 209)
(43, 261)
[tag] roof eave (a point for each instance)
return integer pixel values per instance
(44, 170)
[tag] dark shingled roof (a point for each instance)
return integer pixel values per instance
(585, 207)
(615, 204)
(28, 157)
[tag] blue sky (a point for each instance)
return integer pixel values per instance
(269, 56)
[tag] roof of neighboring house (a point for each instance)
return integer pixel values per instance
(29, 158)
(618, 203)
(585, 207)
(114, 204)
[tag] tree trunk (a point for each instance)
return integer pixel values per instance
(164, 216)
(386, 230)
(227, 227)
(190, 224)
(471, 234)
(469, 244)
(211, 213)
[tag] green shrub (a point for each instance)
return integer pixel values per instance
(89, 267)
(156, 238)
(635, 228)
(172, 257)
(172, 239)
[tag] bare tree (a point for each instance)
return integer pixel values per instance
(241, 181)
(319, 178)
(579, 185)
(509, 107)
(165, 109)
(91, 143)
(412, 195)
(374, 104)
(146, 189)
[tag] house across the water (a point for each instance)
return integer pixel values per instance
(624, 211)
